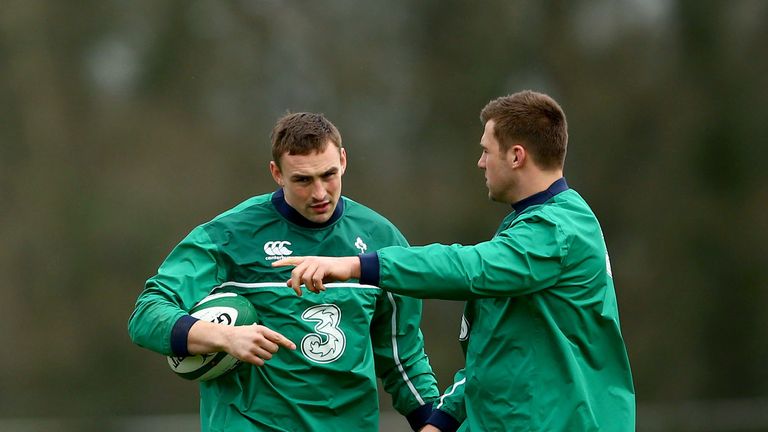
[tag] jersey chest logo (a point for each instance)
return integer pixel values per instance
(328, 342)
(276, 250)
(360, 244)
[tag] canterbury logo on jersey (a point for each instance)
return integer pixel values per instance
(277, 249)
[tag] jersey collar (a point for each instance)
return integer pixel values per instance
(290, 213)
(541, 197)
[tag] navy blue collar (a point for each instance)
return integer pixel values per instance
(541, 197)
(290, 213)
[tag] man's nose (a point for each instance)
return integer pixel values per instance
(318, 190)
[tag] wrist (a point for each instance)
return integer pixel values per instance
(206, 337)
(354, 267)
(180, 335)
(368, 268)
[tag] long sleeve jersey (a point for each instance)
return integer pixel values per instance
(544, 349)
(346, 337)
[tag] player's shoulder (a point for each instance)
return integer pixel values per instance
(361, 218)
(567, 217)
(249, 215)
(572, 207)
(362, 213)
(568, 201)
(254, 208)
(566, 211)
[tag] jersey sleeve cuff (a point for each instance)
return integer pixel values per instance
(369, 268)
(179, 334)
(418, 417)
(443, 421)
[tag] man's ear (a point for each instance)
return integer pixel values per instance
(343, 155)
(517, 156)
(277, 175)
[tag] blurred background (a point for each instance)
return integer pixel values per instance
(125, 124)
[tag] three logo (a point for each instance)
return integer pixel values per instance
(328, 342)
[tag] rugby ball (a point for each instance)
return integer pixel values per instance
(226, 309)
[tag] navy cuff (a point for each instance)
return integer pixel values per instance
(418, 417)
(443, 421)
(369, 268)
(179, 335)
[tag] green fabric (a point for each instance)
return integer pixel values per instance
(452, 400)
(545, 350)
(367, 333)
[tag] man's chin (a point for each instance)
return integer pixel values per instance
(319, 217)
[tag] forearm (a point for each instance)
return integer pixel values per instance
(152, 323)
(433, 271)
(450, 411)
(206, 337)
(186, 276)
(250, 343)
(500, 267)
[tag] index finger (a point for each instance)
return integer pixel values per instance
(291, 261)
(279, 339)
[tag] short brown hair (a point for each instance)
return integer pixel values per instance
(535, 121)
(301, 134)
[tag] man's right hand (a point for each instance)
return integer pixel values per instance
(252, 343)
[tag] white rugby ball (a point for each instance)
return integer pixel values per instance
(223, 308)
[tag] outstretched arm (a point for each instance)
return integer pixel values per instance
(314, 271)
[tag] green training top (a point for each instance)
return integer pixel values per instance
(345, 337)
(544, 349)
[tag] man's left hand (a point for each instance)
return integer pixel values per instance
(313, 271)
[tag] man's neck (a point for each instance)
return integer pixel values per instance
(535, 183)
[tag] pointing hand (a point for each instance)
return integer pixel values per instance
(313, 271)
